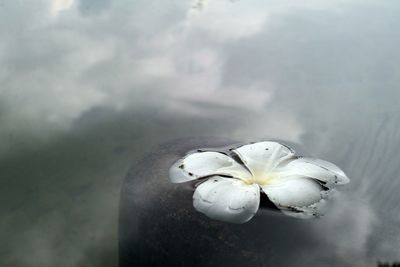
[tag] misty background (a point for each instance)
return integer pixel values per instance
(88, 87)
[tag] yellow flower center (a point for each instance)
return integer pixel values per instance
(261, 179)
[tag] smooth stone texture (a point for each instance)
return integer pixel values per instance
(159, 226)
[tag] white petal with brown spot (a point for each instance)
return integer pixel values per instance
(236, 177)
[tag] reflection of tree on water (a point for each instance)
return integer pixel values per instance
(385, 264)
(200, 4)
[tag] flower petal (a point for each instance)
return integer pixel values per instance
(263, 156)
(318, 169)
(227, 199)
(314, 210)
(202, 164)
(294, 193)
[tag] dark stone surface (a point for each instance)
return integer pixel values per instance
(159, 226)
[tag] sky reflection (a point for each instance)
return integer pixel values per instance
(87, 87)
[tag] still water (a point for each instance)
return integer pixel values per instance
(89, 87)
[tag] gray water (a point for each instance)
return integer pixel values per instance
(89, 87)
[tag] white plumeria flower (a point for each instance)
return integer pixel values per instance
(234, 179)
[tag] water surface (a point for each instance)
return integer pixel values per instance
(88, 87)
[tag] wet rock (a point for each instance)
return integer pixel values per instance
(159, 226)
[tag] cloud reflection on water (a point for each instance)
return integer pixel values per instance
(77, 73)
